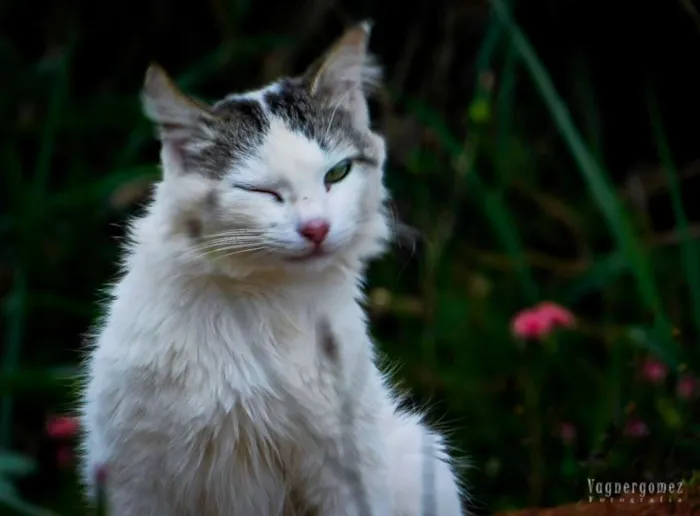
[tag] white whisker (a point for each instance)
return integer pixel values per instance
(235, 232)
(222, 242)
(240, 251)
(223, 249)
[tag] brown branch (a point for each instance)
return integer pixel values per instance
(653, 179)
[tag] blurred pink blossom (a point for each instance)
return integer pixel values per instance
(62, 427)
(687, 387)
(636, 428)
(567, 432)
(557, 315)
(101, 474)
(530, 325)
(539, 321)
(654, 371)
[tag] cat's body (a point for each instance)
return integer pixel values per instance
(244, 382)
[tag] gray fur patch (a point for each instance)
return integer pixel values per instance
(316, 120)
(240, 130)
(211, 201)
(193, 227)
(243, 124)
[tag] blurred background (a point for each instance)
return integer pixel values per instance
(545, 150)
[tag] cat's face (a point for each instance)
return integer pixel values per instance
(286, 176)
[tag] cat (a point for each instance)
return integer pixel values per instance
(213, 384)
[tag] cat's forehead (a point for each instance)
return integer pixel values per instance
(246, 120)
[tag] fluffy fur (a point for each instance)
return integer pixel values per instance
(233, 373)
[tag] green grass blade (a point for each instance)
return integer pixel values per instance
(456, 150)
(603, 271)
(57, 102)
(491, 202)
(14, 317)
(598, 183)
(505, 108)
(13, 464)
(591, 114)
(503, 222)
(689, 247)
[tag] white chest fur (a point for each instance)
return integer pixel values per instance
(207, 388)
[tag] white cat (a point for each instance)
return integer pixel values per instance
(233, 373)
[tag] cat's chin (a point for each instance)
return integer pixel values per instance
(316, 254)
(313, 261)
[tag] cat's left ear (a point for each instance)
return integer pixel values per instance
(346, 73)
(184, 124)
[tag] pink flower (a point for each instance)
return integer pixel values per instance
(567, 432)
(636, 428)
(62, 427)
(687, 387)
(101, 474)
(654, 371)
(539, 321)
(529, 324)
(557, 315)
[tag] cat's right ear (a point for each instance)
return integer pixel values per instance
(184, 124)
(346, 73)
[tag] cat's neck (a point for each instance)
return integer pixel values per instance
(193, 303)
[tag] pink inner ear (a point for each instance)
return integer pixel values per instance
(174, 135)
(174, 147)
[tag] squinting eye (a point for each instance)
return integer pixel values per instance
(338, 172)
(274, 195)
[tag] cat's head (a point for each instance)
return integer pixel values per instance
(288, 176)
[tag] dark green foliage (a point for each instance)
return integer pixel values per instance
(514, 151)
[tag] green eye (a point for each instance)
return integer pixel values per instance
(338, 172)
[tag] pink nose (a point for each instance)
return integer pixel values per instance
(315, 230)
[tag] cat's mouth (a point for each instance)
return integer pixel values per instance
(316, 253)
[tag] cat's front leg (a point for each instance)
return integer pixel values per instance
(353, 479)
(367, 472)
(346, 471)
(362, 463)
(352, 467)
